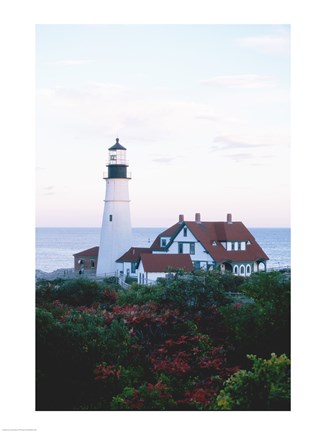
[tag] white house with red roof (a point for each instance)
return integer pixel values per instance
(187, 245)
(153, 266)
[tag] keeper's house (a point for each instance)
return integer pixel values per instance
(225, 246)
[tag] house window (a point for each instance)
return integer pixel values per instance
(163, 242)
(242, 270)
(239, 245)
(185, 232)
(92, 263)
(196, 265)
(233, 246)
(180, 248)
(110, 218)
(235, 269)
(192, 248)
(248, 269)
(133, 267)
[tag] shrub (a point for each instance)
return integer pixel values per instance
(265, 387)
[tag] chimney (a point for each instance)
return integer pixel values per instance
(181, 218)
(197, 218)
(229, 218)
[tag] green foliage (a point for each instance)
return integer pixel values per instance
(263, 326)
(74, 292)
(145, 397)
(171, 346)
(265, 387)
(140, 294)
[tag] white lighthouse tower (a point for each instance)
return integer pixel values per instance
(116, 232)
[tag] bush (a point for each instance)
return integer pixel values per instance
(265, 387)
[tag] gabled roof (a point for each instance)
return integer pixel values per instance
(207, 233)
(133, 254)
(170, 232)
(161, 263)
(92, 252)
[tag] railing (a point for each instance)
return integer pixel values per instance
(70, 273)
(279, 268)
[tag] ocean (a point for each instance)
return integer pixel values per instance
(55, 246)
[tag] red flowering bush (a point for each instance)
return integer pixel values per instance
(190, 354)
(104, 372)
(110, 295)
(149, 324)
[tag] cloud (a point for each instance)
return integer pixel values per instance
(244, 81)
(219, 119)
(163, 160)
(227, 143)
(276, 44)
(238, 157)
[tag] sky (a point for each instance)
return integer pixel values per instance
(203, 110)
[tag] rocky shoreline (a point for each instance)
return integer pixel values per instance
(59, 273)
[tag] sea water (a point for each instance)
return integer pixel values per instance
(55, 246)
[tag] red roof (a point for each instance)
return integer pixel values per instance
(133, 254)
(160, 263)
(207, 233)
(92, 252)
(170, 232)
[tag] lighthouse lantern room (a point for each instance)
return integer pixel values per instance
(116, 232)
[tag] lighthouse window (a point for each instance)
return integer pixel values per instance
(110, 218)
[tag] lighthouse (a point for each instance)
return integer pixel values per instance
(116, 232)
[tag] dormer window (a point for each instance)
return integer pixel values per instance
(233, 246)
(163, 242)
(214, 243)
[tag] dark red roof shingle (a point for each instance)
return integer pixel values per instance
(92, 252)
(160, 263)
(133, 254)
(209, 232)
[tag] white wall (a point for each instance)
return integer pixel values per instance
(148, 277)
(127, 266)
(116, 235)
(228, 245)
(199, 254)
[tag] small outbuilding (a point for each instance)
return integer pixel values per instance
(153, 266)
(86, 261)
